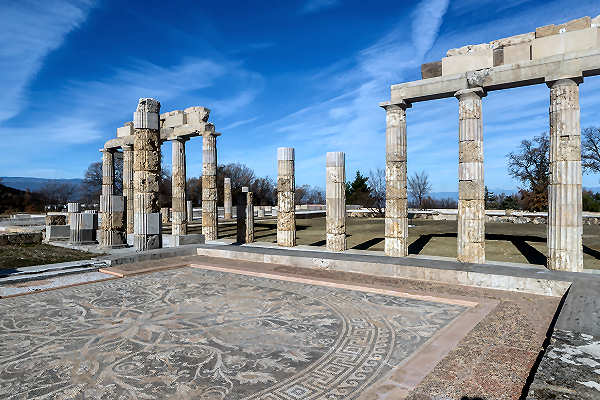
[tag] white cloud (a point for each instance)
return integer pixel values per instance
(313, 6)
(31, 29)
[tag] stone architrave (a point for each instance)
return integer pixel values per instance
(286, 187)
(471, 188)
(396, 204)
(128, 184)
(83, 228)
(227, 198)
(565, 227)
(113, 224)
(249, 217)
(190, 211)
(336, 201)
(241, 215)
(209, 185)
(146, 173)
(179, 218)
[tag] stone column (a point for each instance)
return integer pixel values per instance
(73, 208)
(241, 216)
(209, 186)
(113, 224)
(335, 195)
(227, 198)
(396, 204)
(471, 188)
(565, 228)
(108, 171)
(249, 217)
(83, 228)
(179, 218)
(190, 211)
(286, 187)
(128, 184)
(261, 212)
(146, 174)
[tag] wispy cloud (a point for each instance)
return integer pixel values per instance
(239, 123)
(313, 6)
(31, 29)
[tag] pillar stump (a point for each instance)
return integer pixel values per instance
(178, 181)
(286, 187)
(471, 187)
(209, 185)
(83, 228)
(73, 208)
(113, 225)
(128, 184)
(565, 227)
(336, 201)
(190, 211)
(396, 203)
(146, 173)
(227, 198)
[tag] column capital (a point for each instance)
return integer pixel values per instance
(479, 91)
(401, 105)
(107, 150)
(181, 139)
(127, 147)
(564, 81)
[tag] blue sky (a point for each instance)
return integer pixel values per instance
(306, 74)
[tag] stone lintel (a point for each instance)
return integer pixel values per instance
(569, 65)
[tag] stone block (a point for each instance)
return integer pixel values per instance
(196, 115)
(585, 39)
(513, 40)
(147, 224)
(57, 232)
(56, 220)
(431, 70)
(498, 56)
(125, 130)
(517, 53)
(173, 119)
(471, 49)
(145, 120)
(181, 240)
(468, 62)
(546, 30)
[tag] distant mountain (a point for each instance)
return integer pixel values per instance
(17, 200)
(34, 184)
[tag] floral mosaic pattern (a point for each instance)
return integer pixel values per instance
(192, 333)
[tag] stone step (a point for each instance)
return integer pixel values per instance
(46, 271)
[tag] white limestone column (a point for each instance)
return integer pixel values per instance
(128, 184)
(146, 174)
(249, 217)
(108, 171)
(335, 196)
(209, 186)
(178, 181)
(190, 211)
(227, 198)
(73, 208)
(565, 227)
(396, 204)
(471, 187)
(286, 187)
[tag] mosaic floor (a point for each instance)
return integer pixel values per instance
(193, 333)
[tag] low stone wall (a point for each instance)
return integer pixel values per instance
(20, 238)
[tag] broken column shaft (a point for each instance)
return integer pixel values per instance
(179, 218)
(336, 201)
(146, 167)
(227, 198)
(565, 227)
(249, 217)
(108, 171)
(396, 204)
(471, 188)
(286, 186)
(128, 184)
(209, 186)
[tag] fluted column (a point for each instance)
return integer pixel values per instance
(128, 184)
(396, 204)
(108, 171)
(565, 226)
(179, 218)
(146, 174)
(113, 225)
(72, 208)
(249, 217)
(209, 186)
(82, 228)
(286, 187)
(227, 198)
(335, 195)
(471, 187)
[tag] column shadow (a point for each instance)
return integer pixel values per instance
(367, 244)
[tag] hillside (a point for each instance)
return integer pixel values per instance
(18, 200)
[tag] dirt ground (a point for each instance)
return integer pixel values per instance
(16, 256)
(522, 243)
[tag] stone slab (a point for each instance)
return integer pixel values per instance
(57, 232)
(431, 70)
(181, 240)
(579, 40)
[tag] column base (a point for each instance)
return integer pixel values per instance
(286, 238)
(395, 247)
(336, 242)
(147, 242)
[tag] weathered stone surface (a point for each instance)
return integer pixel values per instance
(128, 190)
(146, 114)
(178, 181)
(209, 186)
(498, 56)
(286, 187)
(517, 53)
(190, 211)
(56, 219)
(396, 222)
(83, 228)
(227, 198)
(336, 201)
(249, 217)
(471, 189)
(113, 225)
(579, 40)
(108, 171)
(513, 40)
(431, 70)
(565, 228)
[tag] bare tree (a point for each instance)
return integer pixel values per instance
(377, 191)
(57, 193)
(307, 194)
(531, 165)
(419, 187)
(92, 179)
(590, 149)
